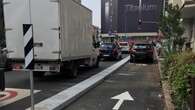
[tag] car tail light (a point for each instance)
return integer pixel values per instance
(150, 50)
(17, 66)
(132, 51)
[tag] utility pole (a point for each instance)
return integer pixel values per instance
(140, 15)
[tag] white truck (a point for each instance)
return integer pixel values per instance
(62, 34)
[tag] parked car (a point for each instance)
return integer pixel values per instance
(142, 51)
(124, 47)
(110, 50)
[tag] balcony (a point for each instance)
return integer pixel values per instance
(188, 9)
(189, 1)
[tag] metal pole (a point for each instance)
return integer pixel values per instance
(2, 79)
(164, 7)
(140, 9)
(140, 13)
(125, 15)
(32, 89)
(31, 72)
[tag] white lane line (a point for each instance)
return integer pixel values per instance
(21, 93)
(62, 99)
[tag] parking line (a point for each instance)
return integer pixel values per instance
(62, 99)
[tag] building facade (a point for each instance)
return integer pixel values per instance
(189, 22)
(188, 16)
(122, 16)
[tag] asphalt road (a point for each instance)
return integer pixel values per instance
(142, 81)
(48, 85)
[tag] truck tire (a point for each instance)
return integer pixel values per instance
(73, 70)
(97, 63)
(39, 74)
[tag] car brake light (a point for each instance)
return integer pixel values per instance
(150, 50)
(132, 51)
(17, 66)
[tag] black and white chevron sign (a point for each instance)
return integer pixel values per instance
(28, 46)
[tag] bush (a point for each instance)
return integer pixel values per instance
(177, 68)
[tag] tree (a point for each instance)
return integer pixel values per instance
(172, 29)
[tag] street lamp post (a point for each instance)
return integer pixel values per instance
(140, 15)
(125, 15)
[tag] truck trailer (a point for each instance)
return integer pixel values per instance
(61, 32)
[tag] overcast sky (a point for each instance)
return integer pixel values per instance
(95, 6)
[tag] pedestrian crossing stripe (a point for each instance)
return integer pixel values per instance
(28, 46)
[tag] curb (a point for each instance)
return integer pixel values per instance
(166, 90)
(64, 98)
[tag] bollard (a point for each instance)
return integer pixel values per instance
(2, 79)
(193, 92)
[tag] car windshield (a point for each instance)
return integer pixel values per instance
(142, 46)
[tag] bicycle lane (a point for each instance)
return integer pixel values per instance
(141, 82)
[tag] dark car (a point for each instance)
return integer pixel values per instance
(142, 51)
(110, 50)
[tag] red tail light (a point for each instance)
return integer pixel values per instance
(150, 50)
(132, 51)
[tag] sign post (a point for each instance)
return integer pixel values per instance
(29, 56)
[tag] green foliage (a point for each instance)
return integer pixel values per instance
(177, 68)
(172, 29)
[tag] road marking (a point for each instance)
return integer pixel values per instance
(64, 98)
(12, 95)
(122, 97)
(125, 74)
(141, 64)
(109, 81)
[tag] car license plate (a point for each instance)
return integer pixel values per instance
(106, 55)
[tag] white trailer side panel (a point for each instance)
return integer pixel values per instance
(45, 20)
(76, 35)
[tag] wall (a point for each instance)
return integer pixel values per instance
(193, 37)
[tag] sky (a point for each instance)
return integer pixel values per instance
(95, 6)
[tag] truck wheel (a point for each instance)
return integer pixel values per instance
(97, 63)
(38, 74)
(73, 71)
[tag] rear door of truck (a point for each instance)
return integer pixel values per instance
(44, 15)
